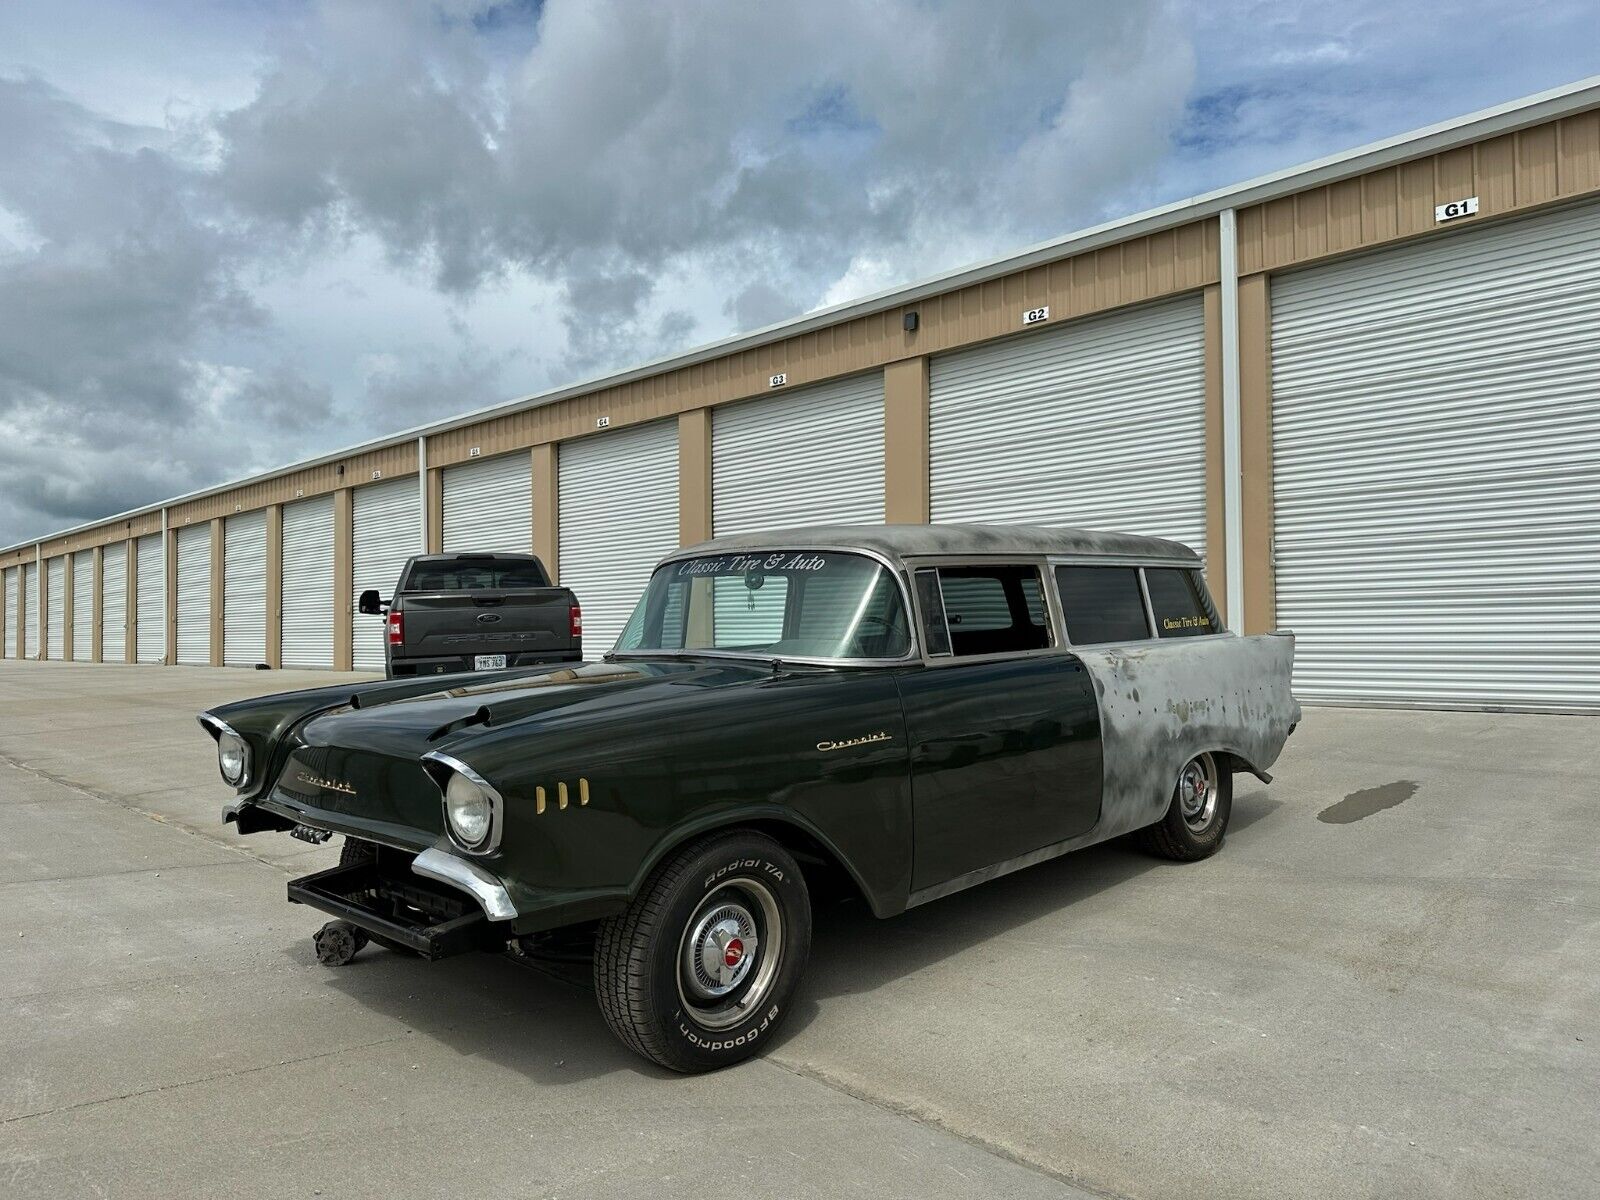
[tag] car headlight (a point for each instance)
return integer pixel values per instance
(233, 758)
(469, 810)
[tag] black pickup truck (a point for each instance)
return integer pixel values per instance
(476, 612)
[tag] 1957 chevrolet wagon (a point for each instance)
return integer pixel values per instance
(904, 711)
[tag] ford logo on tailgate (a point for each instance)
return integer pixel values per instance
(488, 618)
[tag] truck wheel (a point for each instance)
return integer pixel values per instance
(1197, 818)
(700, 970)
(354, 850)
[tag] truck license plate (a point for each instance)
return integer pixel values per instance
(488, 662)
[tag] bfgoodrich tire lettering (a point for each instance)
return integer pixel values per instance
(699, 972)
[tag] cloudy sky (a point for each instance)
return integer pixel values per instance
(236, 235)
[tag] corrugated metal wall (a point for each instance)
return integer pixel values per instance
(387, 530)
(150, 598)
(55, 607)
(308, 613)
(30, 621)
(114, 603)
(244, 589)
(194, 594)
(619, 517)
(1098, 423)
(1436, 441)
(488, 506)
(812, 456)
(83, 607)
(13, 585)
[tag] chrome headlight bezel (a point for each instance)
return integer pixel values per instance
(446, 771)
(229, 739)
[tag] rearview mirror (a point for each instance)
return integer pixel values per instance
(370, 603)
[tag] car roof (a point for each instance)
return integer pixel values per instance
(495, 555)
(915, 541)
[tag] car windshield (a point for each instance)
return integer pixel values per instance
(799, 604)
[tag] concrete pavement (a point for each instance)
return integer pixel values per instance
(1396, 999)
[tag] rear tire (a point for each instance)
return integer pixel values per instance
(1197, 818)
(700, 970)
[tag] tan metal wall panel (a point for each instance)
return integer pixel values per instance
(1514, 172)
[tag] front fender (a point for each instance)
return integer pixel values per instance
(881, 903)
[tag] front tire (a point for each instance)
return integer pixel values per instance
(700, 970)
(1197, 818)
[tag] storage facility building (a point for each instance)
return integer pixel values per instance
(1367, 390)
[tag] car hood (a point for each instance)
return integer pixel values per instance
(417, 724)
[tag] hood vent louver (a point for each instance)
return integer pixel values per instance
(479, 716)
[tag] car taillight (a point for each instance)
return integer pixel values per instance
(576, 615)
(397, 629)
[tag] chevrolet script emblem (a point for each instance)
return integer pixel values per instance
(863, 740)
(327, 785)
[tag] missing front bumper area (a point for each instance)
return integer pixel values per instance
(398, 908)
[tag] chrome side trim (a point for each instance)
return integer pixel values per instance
(439, 864)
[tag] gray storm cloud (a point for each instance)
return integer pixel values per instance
(773, 154)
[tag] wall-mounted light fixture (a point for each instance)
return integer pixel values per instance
(909, 322)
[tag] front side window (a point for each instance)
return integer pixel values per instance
(800, 604)
(1178, 600)
(985, 610)
(1102, 604)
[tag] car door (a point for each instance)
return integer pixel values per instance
(1002, 724)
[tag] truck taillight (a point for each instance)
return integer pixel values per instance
(575, 614)
(397, 629)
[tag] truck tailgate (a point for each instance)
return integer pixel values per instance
(458, 623)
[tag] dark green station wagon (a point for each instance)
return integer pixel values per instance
(900, 711)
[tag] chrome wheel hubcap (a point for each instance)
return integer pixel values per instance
(722, 947)
(1197, 792)
(730, 954)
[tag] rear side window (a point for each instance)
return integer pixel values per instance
(986, 610)
(1178, 599)
(1102, 604)
(475, 574)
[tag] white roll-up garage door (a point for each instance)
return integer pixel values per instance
(13, 611)
(812, 456)
(1436, 447)
(55, 607)
(150, 600)
(308, 615)
(488, 506)
(30, 609)
(194, 594)
(83, 607)
(619, 517)
(13, 587)
(114, 603)
(1098, 423)
(388, 530)
(244, 589)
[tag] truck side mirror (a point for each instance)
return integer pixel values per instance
(370, 603)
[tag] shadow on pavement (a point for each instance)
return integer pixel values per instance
(550, 1030)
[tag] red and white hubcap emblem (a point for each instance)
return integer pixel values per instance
(733, 952)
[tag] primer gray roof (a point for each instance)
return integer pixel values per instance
(910, 541)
